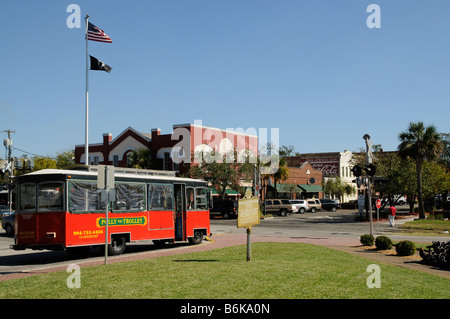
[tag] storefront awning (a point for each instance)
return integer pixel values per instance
(310, 188)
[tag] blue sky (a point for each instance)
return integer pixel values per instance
(311, 68)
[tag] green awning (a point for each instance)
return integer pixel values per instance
(310, 188)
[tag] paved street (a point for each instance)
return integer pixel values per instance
(342, 223)
(311, 227)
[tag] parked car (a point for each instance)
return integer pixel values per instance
(329, 204)
(397, 200)
(280, 206)
(314, 205)
(227, 208)
(4, 210)
(8, 224)
(299, 206)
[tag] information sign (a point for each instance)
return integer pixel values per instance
(248, 212)
(248, 216)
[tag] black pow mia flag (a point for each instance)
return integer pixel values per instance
(99, 65)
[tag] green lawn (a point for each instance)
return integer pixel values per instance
(277, 270)
(426, 227)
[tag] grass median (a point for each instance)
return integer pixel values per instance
(426, 227)
(277, 270)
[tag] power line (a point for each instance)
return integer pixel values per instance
(18, 149)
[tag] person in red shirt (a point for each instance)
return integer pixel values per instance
(392, 212)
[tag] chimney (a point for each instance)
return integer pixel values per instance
(107, 137)
(156, 131)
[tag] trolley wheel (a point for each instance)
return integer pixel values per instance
(117, 245)
(197, 239)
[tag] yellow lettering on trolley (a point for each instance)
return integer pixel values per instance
(27, 234)
(122, 221)
(83, 234)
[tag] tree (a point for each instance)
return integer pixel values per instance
(220, 173)
(402, 180)
(444, 158)
(281, 174)
(277, 155)
(64, 159)
(286, 150)
(436, 180)
(420, 143)
(141, 158)
(397, 177)
(43, 163)
(335, 187)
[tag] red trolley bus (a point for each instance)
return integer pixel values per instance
(62, 209)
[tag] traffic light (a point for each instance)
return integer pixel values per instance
(358, 181)
(356, 170)
(370, 169)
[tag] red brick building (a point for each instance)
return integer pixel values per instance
(332, 165)
(303, 182)
(169, 150)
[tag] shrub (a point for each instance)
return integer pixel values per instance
(366, 240)
(383, 243)
(405, 248)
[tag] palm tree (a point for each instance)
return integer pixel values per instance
(420, 143)
(281, 174)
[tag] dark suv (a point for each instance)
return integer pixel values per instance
(329, 204)
(227, 208)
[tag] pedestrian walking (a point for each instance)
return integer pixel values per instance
(392, 212)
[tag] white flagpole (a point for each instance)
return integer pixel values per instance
(86, 152)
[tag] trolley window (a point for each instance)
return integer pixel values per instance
(130, 197)
(27, 197)
(160, 196)
(201, 198)
(196, 198)
(190, 198)
(51, 196)
(85, 197)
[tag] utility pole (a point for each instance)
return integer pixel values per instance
(9, 166)
(366, 137)
(370, 169)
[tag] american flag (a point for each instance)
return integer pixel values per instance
(96, 34)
